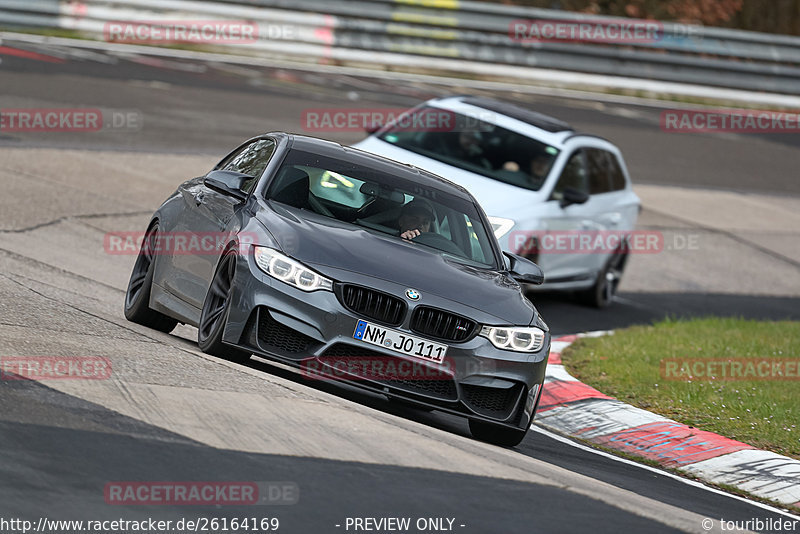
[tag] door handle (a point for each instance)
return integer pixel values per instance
(614, 219)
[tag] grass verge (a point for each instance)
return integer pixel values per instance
(682, 370)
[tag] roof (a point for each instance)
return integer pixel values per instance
(534, 118)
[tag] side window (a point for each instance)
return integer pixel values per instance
(617, 176)
(574, 175)
(599, 165)
(479, 251)
(252, 160)
(444, 227)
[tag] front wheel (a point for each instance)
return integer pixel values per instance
(602, 293)
(137, 296)
(496, 434)
(215, 312)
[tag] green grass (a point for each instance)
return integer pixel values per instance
(47, 32)
(764, 413)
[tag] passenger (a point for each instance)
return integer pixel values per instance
(469, 149)
(537, 169)
(540, 164)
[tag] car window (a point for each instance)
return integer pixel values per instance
(574, 175)
(605, 173)
(251, 159)
(617, 176)
(599, 168)
(477, 249)
(336, 187)
(474, 145)
(374, 200)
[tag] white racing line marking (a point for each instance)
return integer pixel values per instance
(687, 481)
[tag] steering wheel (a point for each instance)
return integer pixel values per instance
(438, 241)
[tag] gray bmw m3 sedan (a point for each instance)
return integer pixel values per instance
(350, 267)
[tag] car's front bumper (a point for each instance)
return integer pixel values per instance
(314, 331)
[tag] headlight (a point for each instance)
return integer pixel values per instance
(287, 270)
(529, 339)
(501, 226)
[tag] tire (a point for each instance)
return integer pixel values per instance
(497, 435)
(215, 312)
(137, 296)
(602, 293)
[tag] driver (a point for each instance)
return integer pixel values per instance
(415, 218)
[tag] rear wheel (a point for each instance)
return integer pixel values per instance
(496, 434)
(137, 297)
(215, 312)
(602, 293)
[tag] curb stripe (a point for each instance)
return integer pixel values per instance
(26, 54)
(760, 472)
(572, 408)
(596, 417)
(561, 392)
(671, 444)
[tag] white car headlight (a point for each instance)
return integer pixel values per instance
(518, 339)
(501, 226)
(285, 269)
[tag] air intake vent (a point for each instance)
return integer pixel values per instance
(492, 402)
(381, 307)
(441, 324)
(274, 335)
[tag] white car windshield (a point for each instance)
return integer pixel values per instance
(476, 146)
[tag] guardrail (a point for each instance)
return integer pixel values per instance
(420, 32)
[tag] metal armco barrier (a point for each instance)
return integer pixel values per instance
(397, 32)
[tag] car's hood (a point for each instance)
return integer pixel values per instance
(497, 198)
(320, 242)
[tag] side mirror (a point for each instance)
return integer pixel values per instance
(572, 196)
(524, 271)
(373, 127)
(228, 183)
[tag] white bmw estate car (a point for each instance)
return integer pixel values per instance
(543, 185)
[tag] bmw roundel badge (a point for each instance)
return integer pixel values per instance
(412, 294)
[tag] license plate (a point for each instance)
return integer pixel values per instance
(400, 342)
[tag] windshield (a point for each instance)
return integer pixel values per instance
(440, 218)
(478, 146)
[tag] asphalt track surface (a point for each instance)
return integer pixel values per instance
(173, 414)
